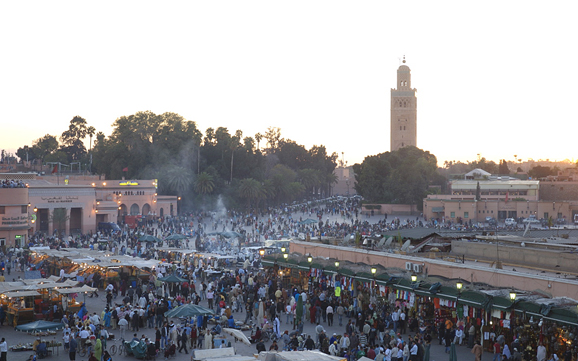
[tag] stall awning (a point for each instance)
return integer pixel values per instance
(21, 294)
(437, 209)
(82, 289)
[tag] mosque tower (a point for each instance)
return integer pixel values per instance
(403, 111)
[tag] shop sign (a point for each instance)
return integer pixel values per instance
(128, 183)
(59, 199)
(15, 220)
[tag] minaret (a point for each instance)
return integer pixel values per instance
(403, 111)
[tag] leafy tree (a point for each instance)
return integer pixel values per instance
(488, 165)
(273, 137)
(402, 176)
(503, 168)
(45, 146)
(541, 172)
(72, 138)
(26, 153)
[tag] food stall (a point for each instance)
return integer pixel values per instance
(20, 306)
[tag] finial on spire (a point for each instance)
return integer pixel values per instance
(404, 59)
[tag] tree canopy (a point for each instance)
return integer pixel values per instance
(200, 167)
(402, 176)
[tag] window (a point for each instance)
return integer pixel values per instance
(546, 215)
(560, 215)
(2, 210)
(23, 209)
(466, 214)
(453, 215)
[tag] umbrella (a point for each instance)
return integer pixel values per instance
(40, 326)
(175, 237)
(149, 238)
(453, 353)
(238, 335)
(189, 310)
(172, 279)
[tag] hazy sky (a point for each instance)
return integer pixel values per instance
(495, 77)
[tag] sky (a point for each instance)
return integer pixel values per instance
(495, 78)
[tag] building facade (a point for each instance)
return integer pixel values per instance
(74, 204)
(499, 198)
(403, 111)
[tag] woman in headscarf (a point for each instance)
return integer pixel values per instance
(98, 350)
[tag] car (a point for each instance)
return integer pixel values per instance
(491, 221)
(531, 219)
(510, 222)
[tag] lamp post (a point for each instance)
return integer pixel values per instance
(512, 295)
(373, 272)
(459, 286)
(310, 284)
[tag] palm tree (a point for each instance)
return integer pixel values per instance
(258, 138)
(179, 179)
(251, 190)
(204, 183)
(90, 131)
(58, 217)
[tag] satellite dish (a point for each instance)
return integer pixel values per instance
(388, 242)
(405, 246)
(381, 242)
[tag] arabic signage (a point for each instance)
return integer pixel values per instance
(59, 199)
(15, 220)
(128, 183)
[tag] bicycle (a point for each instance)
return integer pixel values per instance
(84, 351)
(120, 349)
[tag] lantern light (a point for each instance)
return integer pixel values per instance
(459, 285)
(285, 255)
(413, 278)
(512, 295)
(309, 259)
(336, 263)
(283, 249)
(262, 252)
(373, 270)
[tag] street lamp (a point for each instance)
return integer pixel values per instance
(309, 259)
(285, 255)
(512, 295)
(336, 264)
(261, 252)
(283, 249)
(373, 270)
(459, 285)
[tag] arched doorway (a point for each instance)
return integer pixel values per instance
(122, 211)
(134, 210)
(146, 209)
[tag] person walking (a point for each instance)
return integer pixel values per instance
(72, 350)
(477, 351)
(184, 342)
(3, 349)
